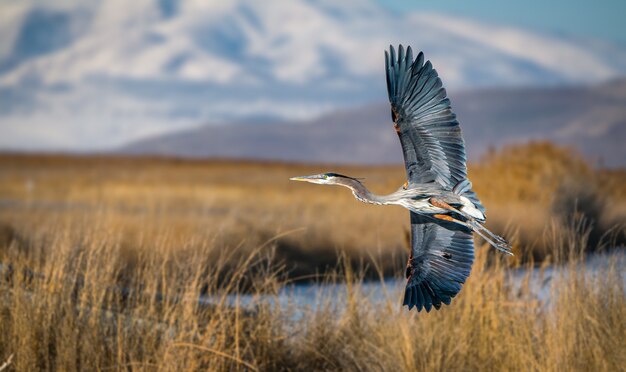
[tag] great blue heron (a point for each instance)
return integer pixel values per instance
(444, 209)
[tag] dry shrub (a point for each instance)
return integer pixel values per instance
(531, 186)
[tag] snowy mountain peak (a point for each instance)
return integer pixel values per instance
(102, 73)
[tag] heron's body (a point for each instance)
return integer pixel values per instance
(444, 208)
(416, 199)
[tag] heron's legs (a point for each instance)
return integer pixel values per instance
(477, 225)
(499, 243)
(496, 241)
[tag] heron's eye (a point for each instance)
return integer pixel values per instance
(325, 176)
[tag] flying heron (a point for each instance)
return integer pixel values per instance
(444, 209)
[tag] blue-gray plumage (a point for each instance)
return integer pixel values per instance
(443, 208)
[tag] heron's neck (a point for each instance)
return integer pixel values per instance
(362, 193)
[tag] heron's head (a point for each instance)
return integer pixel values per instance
(325, 179)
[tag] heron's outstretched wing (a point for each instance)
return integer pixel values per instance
(441, 260)
(429, 132)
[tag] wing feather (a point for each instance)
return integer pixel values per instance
(430, 135)
(441, 261)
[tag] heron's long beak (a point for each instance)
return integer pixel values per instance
(313, 178)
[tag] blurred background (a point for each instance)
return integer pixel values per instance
(147, 220)
(290, 80)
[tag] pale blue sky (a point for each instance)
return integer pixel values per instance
(603, 19)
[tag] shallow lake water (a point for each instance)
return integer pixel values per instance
(303, 296)
(312, 295)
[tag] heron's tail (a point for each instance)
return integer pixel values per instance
(464, 188)
(496, 241)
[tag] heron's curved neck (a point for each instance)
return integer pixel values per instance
(361, 192)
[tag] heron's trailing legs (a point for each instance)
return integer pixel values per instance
(496, 241)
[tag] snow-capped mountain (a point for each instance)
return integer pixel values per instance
(91, 76)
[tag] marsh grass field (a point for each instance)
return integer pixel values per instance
(104, 259)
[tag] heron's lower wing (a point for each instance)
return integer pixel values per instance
(441, 260)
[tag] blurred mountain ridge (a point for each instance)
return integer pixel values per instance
(591, 119)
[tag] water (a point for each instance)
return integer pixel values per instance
(314, 295)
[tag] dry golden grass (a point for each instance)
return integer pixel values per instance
(233, 204)
(70, 302)
(104, 259)
(239, 204)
